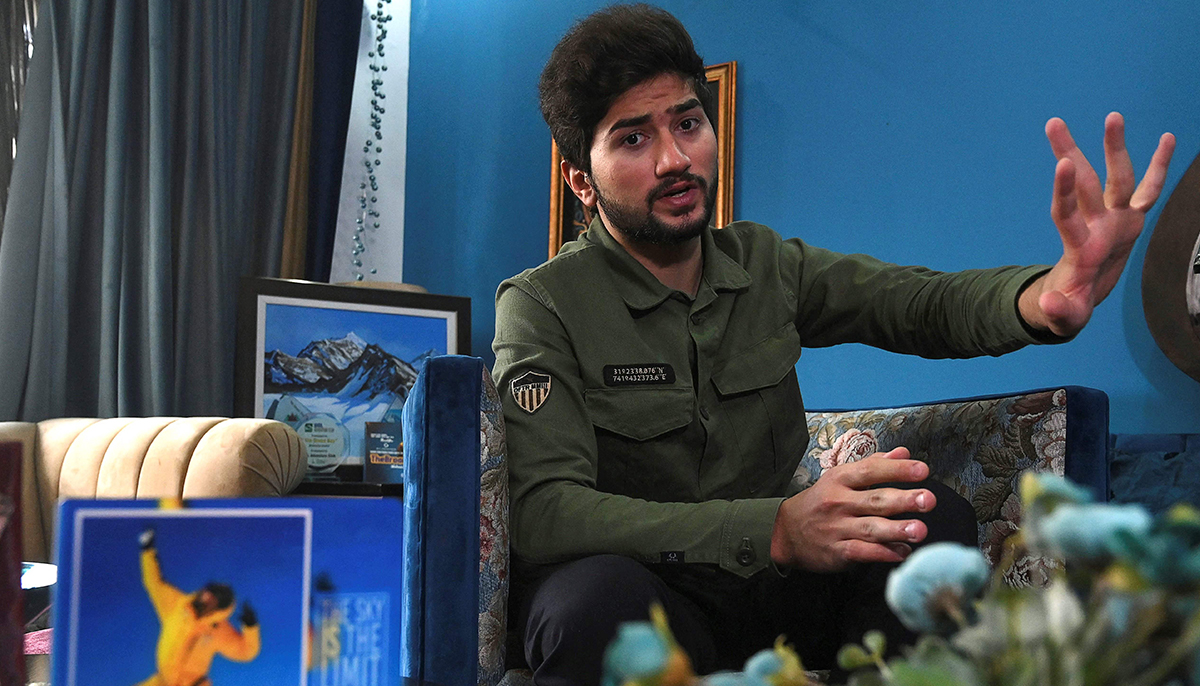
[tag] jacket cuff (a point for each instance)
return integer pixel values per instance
(746, 536)
(1028, 334)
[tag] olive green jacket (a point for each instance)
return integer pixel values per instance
(645, 423)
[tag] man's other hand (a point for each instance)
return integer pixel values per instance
(1098, 225)
(248, 616)
(146, 539)
(842, 518)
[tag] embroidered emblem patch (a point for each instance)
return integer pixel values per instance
(530, 390)
(648, 374)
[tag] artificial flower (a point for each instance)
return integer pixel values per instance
(1092, 532)
(932, 589)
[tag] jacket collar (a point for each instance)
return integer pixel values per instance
(641, 290)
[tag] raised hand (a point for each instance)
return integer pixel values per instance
(249, 617)
(1098, 225)
(842, 519)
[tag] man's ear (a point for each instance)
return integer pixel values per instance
(580, 183)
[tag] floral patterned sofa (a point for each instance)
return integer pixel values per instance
(456, 493)
(979, 446)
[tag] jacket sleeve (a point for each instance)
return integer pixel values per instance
(557, 512)
(162, 594)
(239, 646)
(912, 310)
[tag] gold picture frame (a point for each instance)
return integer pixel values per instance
(569, 217)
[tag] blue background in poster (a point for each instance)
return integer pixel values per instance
(289, 328)
(260, 557)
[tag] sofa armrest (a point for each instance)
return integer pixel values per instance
(455, 526)
(978, 446)
(157, 457)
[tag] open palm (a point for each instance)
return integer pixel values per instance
(1098, 225)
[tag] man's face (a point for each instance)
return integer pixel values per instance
(204, 603)
(654, 163)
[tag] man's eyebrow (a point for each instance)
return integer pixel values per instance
(642, 119)
(629, 122)
(685, 106)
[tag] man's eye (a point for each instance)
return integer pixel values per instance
(689, 124)
(633, 139)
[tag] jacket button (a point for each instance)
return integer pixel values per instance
(745, 554)
(703, 413)
(697, 318)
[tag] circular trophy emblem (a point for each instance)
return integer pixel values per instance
(325, 439)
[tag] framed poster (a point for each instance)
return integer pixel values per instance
(277, 592)
(329, 360)
(569, 217)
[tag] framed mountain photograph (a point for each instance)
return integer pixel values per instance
(330, 360)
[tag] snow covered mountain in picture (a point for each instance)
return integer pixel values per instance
(347, 367)
(345, 379)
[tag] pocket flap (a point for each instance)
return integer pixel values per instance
(640, 413)
(762, 365)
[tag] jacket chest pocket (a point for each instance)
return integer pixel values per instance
(645, 440)
(760, 397)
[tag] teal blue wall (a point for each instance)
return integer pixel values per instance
(912, 131)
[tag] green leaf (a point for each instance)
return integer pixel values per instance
(989, 498)
(936, 662)
(904, 674)
(997, 464)
(875, 642)
(867, 679)
(852, 657)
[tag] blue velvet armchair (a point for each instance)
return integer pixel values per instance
(456, 493)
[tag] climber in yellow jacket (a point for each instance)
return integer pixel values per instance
(195, 626)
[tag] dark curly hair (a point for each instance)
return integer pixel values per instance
(222, 595)
(601, 57)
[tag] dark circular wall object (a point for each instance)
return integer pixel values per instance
(1171, 275)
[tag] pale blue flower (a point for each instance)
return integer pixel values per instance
(730, 679)
(1092, 532)
(1170, 554)
(935, 581)
(1041, 494)
(763, 664)
(1164, 559)
(1118, 608)
(1046, 490)
(637, 652)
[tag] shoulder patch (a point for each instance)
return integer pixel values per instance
(530, 390)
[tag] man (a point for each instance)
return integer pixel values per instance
(653, 414)
(195, 626)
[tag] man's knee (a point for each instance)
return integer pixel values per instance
(592, 596)
(953, 519)
(573, 614)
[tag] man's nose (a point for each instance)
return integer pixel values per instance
(672, 159)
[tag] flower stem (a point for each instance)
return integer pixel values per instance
(1185, 646)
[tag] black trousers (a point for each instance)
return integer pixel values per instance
(568, 613)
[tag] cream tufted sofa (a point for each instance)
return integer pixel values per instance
(152, 457)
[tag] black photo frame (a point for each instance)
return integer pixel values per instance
(328, 359)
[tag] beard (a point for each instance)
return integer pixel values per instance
(642, 226)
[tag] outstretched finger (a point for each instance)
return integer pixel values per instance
(1064, 205)
(1156, 175)
(1087, 183)
(1119, 185)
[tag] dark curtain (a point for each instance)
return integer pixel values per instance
(337, 32)
(151, 174)
(17, 19)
